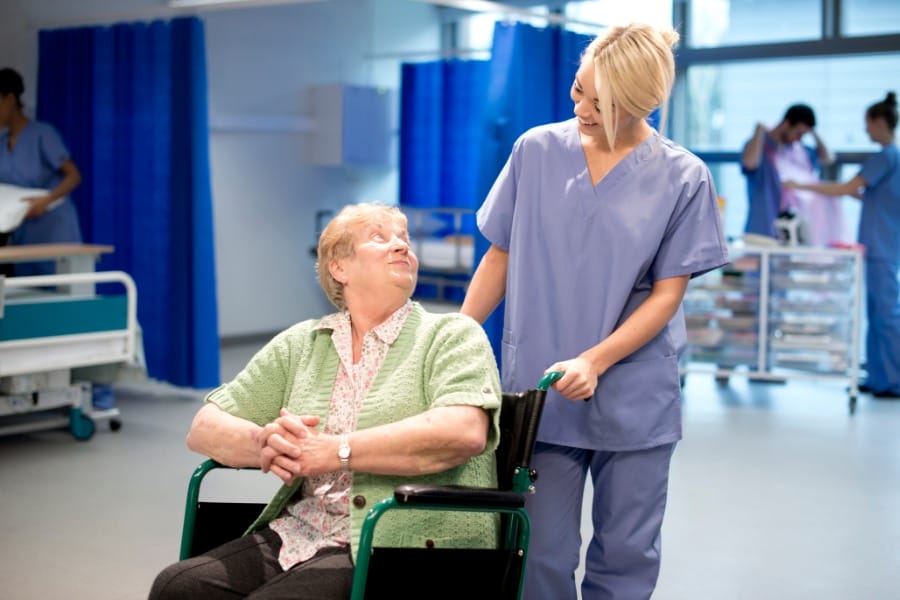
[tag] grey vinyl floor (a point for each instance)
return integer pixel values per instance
(776, 493)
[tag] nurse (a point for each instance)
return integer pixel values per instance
(879, 232)
(596, 224)
(33, 155)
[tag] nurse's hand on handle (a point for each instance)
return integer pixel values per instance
(579, 378)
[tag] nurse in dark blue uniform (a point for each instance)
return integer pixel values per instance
(879, 232)
(597, 224)
(33, 155)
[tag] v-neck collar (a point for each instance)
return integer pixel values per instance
(621, 169)
(7, 136)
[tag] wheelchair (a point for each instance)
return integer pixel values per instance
(495, 573)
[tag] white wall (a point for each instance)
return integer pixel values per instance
(261, 64)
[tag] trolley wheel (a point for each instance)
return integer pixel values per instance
(115, 424)
(81, 426)
(852, 405)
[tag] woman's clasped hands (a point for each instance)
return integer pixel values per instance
(292, 447)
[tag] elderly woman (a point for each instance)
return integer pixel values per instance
(342, 409)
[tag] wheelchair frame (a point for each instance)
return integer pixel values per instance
(520, 416)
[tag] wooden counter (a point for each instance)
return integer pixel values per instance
(69, 258)
(37, 252)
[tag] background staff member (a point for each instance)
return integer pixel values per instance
(33, 155)
(879, 232)
(775, 155)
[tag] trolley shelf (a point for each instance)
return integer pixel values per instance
(778, 313)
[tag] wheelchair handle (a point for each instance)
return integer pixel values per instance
(549, 379)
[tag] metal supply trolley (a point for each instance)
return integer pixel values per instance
(776, 313)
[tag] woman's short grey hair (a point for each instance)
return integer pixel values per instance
(337, 240)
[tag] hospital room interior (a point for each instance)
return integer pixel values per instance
(215, 140)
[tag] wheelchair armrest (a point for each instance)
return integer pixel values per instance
(192, 501)
(410, 493)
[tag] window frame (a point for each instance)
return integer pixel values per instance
(832, 43)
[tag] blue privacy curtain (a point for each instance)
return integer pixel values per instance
(531, 72)
(442, 106)
(130, 101)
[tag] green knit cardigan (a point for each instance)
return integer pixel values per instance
(437, 360)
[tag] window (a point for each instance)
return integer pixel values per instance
(617, 12)
(714, 23)
(870, 17)
(725, 101)
(746, 61)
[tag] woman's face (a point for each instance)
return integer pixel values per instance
(584, 96)
(8, 107)
(382, 260)
(877, 129)
(587, 108)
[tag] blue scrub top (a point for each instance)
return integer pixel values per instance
(879, 221)
(764, 189)
(34, 162)
(581, 260)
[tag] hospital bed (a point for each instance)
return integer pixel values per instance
(50, 325)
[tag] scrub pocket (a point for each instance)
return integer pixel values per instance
(644, 406)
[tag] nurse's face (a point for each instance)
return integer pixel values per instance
(587, 107)
(8, 106)
(878, 130)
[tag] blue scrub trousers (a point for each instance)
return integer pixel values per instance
(629, 500)
(883, 335)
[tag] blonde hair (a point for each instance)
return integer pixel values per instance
(634, 70)
(338, 237)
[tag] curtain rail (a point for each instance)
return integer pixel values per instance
(111, 19)
(511, 11)
(429, 54)
(166, 11)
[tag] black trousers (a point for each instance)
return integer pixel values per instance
(248, 568)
